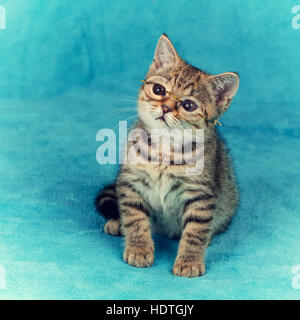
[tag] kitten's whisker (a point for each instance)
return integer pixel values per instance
(129, 119)
(132, 117)
(117, 112)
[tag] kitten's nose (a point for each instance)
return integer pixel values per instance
(165, 108)
(169, 105)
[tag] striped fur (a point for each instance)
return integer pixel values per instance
(158, 197)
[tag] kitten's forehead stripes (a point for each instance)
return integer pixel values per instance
(202, 94)
(186, 76)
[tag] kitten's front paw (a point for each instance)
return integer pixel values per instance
(139, 257)
(188, 269)
(112, 227)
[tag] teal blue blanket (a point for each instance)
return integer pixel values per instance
(65, 68)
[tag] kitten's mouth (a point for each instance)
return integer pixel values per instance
(162, 118)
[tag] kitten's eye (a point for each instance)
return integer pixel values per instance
(159, 90)
(189, 105)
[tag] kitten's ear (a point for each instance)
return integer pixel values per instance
(224, 87)
(165, 53)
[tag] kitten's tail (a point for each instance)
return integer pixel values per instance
(106, 202)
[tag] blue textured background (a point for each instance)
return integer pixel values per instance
(64, 67)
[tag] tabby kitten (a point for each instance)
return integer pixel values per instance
(159, 197)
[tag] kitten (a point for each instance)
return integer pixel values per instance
(158, 197)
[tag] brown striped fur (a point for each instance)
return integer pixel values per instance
(158, 197)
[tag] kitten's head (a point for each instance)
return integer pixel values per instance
(178, 95)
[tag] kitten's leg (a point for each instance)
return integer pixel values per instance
(196, 234)
(139, 249)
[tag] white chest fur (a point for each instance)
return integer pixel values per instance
(165, 203)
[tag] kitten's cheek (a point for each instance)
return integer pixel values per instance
(176, 113)
(156, 104)
(171, 120)
(188, 117)
(181, 115)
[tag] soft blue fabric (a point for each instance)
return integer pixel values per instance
(65, 66)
